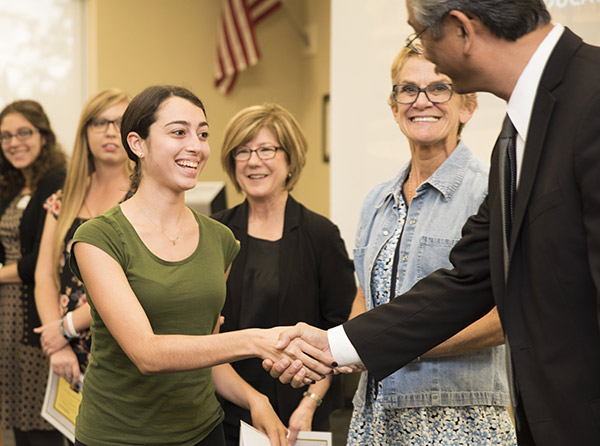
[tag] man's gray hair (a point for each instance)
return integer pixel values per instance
(508, 19)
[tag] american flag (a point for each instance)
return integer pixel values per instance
(237, 48)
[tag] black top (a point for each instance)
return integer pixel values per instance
(260, 300)
(315, 285)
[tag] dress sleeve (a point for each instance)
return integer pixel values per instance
(53, 203)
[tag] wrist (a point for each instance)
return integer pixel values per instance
(67, 329)
(309, 396)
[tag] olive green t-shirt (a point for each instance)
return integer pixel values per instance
(121, 406)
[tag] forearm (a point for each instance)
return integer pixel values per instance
(233, 387)
(319, 389)
(46, 300)
(155, 354)
(82, 317)
(484, 333)
(359, 305)
(10, 274)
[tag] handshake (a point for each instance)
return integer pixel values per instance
(301, 355)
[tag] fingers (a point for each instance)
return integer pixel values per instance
(267, 365)
(286, 336)
(285, 370)
(293, 434)
(313, 358)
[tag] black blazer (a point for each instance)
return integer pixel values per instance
(30, 229)
(316, 281)
(549, 302)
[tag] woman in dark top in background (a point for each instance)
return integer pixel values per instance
(32, 167)
(293, 265)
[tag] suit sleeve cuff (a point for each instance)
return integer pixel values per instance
(342, 349)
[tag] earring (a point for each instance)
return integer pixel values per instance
(289, 175)
(140, 154)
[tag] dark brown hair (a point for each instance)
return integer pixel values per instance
(51, 154)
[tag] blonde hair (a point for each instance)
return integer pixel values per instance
(246, 124)
(80, 168)
(400, 60)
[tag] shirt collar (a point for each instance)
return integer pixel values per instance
(446, 179)
(521, 100)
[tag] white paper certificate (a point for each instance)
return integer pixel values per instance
(61, 405)
(249, 436)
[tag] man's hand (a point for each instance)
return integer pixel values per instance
(307, 351)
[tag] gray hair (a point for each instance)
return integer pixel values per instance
(508, 19)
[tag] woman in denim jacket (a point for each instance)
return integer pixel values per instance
(457, 393)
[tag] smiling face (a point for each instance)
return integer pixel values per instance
(106, 145)
(176, 149)
(423, 122)
(263, 179)
(20, 153)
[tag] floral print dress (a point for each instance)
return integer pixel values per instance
(71, 293)
(375, 424)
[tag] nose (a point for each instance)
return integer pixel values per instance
(112, 129)
(422, 100)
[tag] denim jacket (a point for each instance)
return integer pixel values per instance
(432, 226)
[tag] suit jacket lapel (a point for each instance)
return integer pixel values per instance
(539, 125)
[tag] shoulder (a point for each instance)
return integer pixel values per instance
(213, 225)
(52, 181)
(319, 227)
(104, 225)
(227, 215)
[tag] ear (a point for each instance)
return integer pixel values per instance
(136, 143)
(469, 104)
(394, 108)
(465, 27)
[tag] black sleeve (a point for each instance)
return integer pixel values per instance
(32, 223)
(437, 307)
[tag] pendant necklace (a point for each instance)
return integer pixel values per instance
(173, 240)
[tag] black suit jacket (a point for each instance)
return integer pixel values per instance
(548, 303)
(316, 283)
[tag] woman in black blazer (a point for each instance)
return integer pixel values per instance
(32, 167)
(292, 266)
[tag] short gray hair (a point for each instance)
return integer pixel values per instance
(508, 19)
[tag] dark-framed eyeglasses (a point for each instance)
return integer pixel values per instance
(412, 44)
(436, 93)
(263, 153)
(100, 125)
(22, 134)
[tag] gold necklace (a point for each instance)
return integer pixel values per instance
(172, 240)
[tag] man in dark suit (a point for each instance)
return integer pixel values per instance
(543, 269)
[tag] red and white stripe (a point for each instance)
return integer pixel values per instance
(237, 48)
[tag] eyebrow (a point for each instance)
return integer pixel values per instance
(186, 123)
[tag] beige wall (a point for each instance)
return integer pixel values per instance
(136, 43)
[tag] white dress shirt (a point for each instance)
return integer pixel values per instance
(519, 108)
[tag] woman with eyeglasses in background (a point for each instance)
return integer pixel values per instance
(32, 168)
(97, 179)
(293, 265)
(457, 393)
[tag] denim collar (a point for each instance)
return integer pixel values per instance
(446, 179)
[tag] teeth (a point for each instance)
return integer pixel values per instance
(256, 176)
(425, 119)
(187, 164)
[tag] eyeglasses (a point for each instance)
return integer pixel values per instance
(22, 134)
(100, 125)
(412, 44)
(263, 153)
(436, 93)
